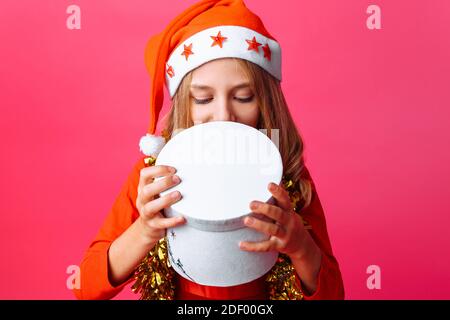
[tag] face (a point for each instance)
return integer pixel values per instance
(220, 91)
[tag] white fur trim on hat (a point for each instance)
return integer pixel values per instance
(151, 145)
(234, 46)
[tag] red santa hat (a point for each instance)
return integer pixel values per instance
(208, 30)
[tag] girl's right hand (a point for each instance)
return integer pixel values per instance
(153, 223)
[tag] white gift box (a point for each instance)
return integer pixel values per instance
(223, 166)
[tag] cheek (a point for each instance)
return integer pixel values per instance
(248, 115)
(198, 115)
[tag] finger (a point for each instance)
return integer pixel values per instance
(260, 246)
(152, 189)
(269, 210)
(147, 174)
(270, 229)
(164, 223)
(281, 196)
(157, 205)
(148, 216)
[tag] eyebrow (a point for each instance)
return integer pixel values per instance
(205, 87)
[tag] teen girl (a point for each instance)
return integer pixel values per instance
(219, 63)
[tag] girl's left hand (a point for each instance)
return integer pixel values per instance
(287, 233)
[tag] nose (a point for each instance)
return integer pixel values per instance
(224, 110)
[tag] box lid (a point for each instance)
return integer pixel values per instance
(223, 166)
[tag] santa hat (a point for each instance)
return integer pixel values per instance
(208, 30)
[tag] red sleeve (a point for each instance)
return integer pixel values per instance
(94, 282)
(330, 285)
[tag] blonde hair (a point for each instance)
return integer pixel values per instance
(274, 114)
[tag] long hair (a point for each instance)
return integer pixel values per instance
(274, 114)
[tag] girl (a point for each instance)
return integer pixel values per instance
(219, 63)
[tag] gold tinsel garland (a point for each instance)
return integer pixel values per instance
(154, 277)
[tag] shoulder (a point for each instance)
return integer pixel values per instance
(133, 176)
(305, 174)
(139, 164)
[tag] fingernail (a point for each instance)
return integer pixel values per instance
(272, 187)
(248, 220)
(175, 194)
(172, 169)
(175, 179)
(254, 205)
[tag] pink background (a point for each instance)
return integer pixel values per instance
(372, 106)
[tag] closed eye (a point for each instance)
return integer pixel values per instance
(202, 101)
(208, 100)
(245, 100)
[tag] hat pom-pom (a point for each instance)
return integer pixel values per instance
(151, 145)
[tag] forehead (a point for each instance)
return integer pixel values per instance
(219, 73)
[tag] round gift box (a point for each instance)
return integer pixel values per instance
(223, 166)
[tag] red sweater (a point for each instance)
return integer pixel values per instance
(94, 266)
